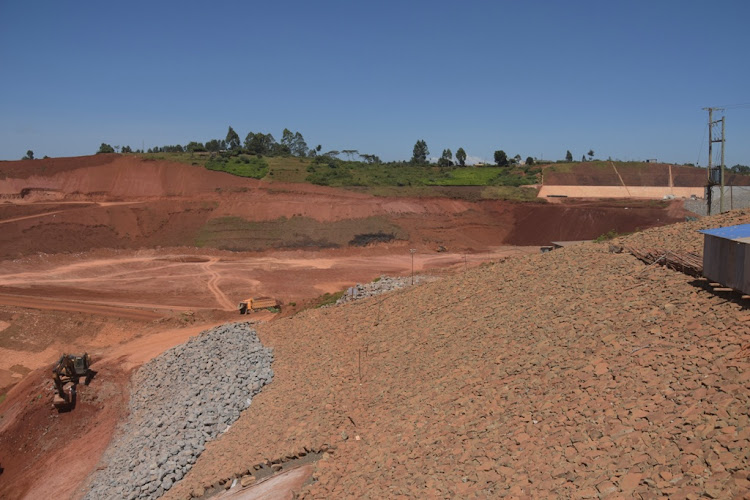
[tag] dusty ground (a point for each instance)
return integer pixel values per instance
(124, 258)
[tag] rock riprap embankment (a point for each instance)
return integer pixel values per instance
(182, 399)
(384, 284)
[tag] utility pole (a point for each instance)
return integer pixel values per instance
(715, 175)
(721, 195)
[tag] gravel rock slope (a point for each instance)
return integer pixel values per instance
(182, 399)
(577, 373)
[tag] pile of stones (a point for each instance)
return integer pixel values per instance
(381, 285)
(187, 396)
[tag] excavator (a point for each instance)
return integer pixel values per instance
(66, 375)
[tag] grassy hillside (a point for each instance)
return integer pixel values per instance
(382, 179)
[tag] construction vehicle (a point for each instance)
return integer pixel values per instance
(255, 303)
(66, 375)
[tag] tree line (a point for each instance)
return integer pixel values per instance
(294, 144)
(291, 143)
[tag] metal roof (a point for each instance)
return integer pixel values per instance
(739, 233)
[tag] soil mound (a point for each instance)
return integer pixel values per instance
(627, 379)
(113, 177)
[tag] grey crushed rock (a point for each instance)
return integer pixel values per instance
(383, 285)
(182, 399)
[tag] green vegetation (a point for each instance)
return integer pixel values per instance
(609, 235)
(327, 171)
(501, 158)
(287, 168)
(461, 157)
(328, 299)
(105, 148)
(240, 165)
(420, 153)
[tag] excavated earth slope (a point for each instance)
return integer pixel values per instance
(577, 373)
(79, 204)
(632, 174)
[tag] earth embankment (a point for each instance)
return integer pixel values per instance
(627, 379)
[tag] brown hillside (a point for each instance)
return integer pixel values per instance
(577, 373)
(632, 174)
(125, 202)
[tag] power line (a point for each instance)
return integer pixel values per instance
(734, 106)
(700, 151)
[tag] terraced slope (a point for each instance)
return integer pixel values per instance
(578, 373)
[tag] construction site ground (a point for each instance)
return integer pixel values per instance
(578, 373)
(450, 388)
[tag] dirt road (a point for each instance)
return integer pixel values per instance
(54, 304)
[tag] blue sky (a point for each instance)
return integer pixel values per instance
(627, 79)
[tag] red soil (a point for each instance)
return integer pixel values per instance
(100, 256)
(46, 454)
(651, 174)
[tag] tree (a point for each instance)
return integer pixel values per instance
(370, 158)
(568, 156)
(105, 148)
(591, 154)
(232, 140)
(287, 140)
(194, 147)
(299, 146)
(126, 149)
(740, 169)
(420, 152)
(529, 160)
(516, 160)
(260, 143)
(350, 153)
(214, 145)
(446, 159)
(29, 155)
(501, 158)
(461, 157)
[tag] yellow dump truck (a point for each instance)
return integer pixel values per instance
(255, 303)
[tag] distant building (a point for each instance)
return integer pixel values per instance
(652, 160)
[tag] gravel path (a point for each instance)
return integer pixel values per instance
(182, 399)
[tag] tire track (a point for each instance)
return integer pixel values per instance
(213, 286)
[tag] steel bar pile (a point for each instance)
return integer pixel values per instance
(688, 262)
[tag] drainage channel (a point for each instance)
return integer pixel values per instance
(289, 473)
